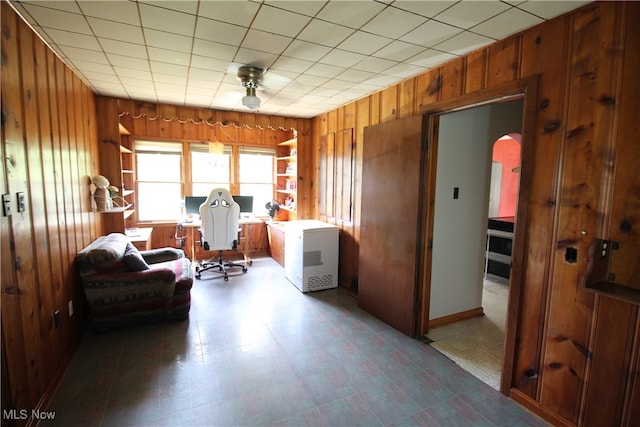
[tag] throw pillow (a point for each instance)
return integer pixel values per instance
(133, 259)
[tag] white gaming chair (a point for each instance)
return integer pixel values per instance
(220, 216)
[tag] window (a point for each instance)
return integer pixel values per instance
(169, 171)
(210, 167)
(256, 172)
(159, 179)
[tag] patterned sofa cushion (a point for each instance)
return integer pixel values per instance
(133, 259)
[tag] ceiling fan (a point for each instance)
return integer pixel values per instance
(251, 78)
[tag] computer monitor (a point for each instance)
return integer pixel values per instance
(245, 203)
(192, 204)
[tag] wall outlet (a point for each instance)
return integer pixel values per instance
(21, 204)
(70, 307)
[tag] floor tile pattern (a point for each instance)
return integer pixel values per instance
(255, 352)
(477, 344)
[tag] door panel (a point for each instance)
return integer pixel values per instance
(390, 221)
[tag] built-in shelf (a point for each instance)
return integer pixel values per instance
(287, 175)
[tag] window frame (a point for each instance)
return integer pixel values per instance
(187, 170)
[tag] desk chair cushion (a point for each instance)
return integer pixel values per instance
(220, 217)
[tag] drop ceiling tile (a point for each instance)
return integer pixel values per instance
(125, 11)
(201, 74)
(67, 38)
(506, 23)
(74, 53)
(304, 7)
(164, 40)
(162, 19)
(324, 70)
(353, 14)
(381, 80)
(337, 84)
(93, 67)
(311, 80)
(233, 12)
(372, 63)
(427, 9)
(430, 58)
(297, 88)
(255, 57)
(220, 32)
(364, 43)
(398, 51)
(470, 13)
(123, 48)
(363, 88)
(136, 83)
(405, 70)
(464, 43)
(307, 51)
(355, 76)
(324, 92)
(342, 58)
(190, 7)
(292, 65)
(325, 33)
(278, 21)
(267, 42)
(128, 62)
(177, 71)
(550, 9)
(65, 6)
(214, 50)
(109, 78)
(431, 33)
(51, 18)
(169, 56)
(207, 63)
(386, 23)
(116, 30)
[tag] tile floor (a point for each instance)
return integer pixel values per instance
(477, 344)
(257, 352)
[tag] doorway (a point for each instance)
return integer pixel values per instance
(431, 312)
(472, 300)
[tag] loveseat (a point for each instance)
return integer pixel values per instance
(124, 285)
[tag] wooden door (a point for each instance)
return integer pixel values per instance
(391, 194)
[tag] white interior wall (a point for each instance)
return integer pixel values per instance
(465, 144)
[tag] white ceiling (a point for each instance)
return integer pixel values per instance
(319, 55)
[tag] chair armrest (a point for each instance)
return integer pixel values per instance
(155, 256)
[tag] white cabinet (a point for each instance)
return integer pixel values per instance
(311, 255)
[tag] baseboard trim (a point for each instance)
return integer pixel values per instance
(452, 318)
(528, 403)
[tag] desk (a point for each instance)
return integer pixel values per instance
(253, 238)
(140, 237)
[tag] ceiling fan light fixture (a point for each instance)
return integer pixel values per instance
(251, 101)
(251, 77)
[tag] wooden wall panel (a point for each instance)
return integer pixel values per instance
(428, 88)
(543, 55)
(48, 152)
(560, 327)
(590, 124)
(504, 61)
(452, 79)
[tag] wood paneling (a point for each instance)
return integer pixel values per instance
(49, 151)
(584, 184)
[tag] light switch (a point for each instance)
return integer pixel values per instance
(6, 204)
